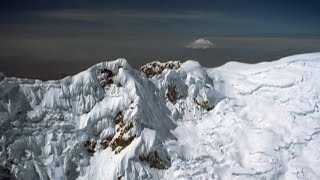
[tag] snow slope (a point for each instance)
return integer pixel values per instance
(168, 121)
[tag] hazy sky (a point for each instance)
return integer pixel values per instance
(51, 39)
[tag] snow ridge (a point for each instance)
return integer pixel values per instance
(169, 121)
(64, 128)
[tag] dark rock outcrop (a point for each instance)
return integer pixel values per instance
(89, 145)
(172, 93)
(105, 77)
(154, 160)
(154, 68)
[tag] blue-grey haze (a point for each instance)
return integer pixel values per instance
(49, 40)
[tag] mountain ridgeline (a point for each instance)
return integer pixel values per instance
(167, 120)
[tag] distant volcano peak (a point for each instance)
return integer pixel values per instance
(201, 43)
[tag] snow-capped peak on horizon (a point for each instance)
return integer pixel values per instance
(167, 120)
(201, 43)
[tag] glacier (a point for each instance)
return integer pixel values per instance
(169, 120)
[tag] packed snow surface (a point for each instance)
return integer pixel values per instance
(169, 121)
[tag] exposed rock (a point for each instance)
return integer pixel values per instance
(105, 142)
(105, 77)
(89, 145)
(106, 73)
(172, 93)
(156, 67)
(121, 139)
(106, 82)
(119, 84)
(119, 118)
(204, 105)
(154, 160)
(6, 174)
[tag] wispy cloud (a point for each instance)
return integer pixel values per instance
(104, 14)
(70, 14)
(191, 15)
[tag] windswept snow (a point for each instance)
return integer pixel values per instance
(237, 121)
(201, 43)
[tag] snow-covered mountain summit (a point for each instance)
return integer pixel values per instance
(167, 121)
